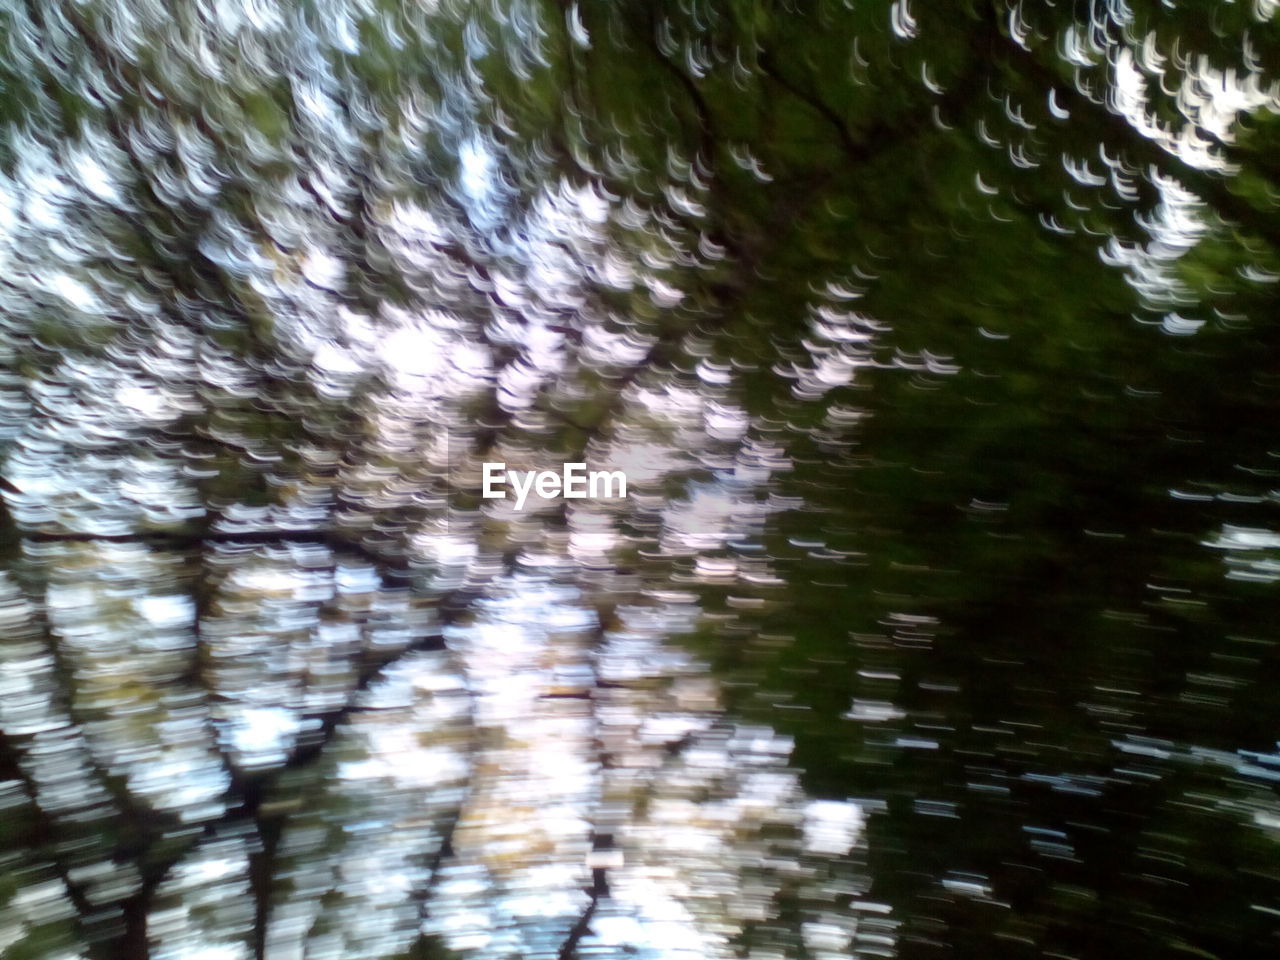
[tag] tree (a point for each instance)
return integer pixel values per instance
(827, 283)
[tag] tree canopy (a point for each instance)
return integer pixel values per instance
(937, 342)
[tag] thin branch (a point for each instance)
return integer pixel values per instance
(852, 147)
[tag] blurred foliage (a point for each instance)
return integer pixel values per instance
(940, 340)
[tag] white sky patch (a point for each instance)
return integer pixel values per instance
(1252, 553)
(1207, 97)
(262, 734)
(831, 827)
(323, 270)
(477, 170)
(712, 514)
(73, 291)
(8, 217)
(331, 358)
(148, 402)
(1179, 326)
(644, 462)
(175, 610)
(414, 351)
(267, 579)
(874, 711)
(95, 177)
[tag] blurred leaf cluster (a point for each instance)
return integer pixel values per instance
(938, 341)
